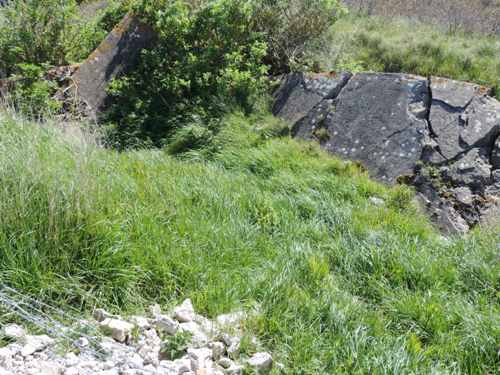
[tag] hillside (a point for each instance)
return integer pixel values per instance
(273, 223)
(173, 180)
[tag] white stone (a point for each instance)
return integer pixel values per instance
(49, 368)
(182, 365)
(155, 309)
(82, 342)
(35, 344)
(166, 324)
(135, 361)
(6, 353)
(225, 362)
(14, 331)
(261, 362)
(71, 359)
(234, 349)
(198, 337)
(185, 312)
(101, 314)
(207, 325)
(118, 329)
(72, 371)
(140, 322)
(232, 319)
(199, 357)
(234, 370)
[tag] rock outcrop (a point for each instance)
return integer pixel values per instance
(443, 136)
(116, 55)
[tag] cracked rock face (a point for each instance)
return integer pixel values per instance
(442, 135)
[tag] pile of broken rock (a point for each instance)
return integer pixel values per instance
(134, 347)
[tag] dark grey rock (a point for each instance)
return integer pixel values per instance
(472, 170)
(300, 93)
(377, 119)
(116, 55)
(443, 136)
(462, 117)
(456, 93)
(495, 155)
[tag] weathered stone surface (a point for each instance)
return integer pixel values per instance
(462, 117)
(166, 324)
(117, 54)
(185, 312)
(118, 329)
(472, 170)
(300, 93)
(439, 134)
(261, 363)
(377, 119)
(495, 155)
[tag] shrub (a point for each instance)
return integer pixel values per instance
(294, 29)
(49, 32)
(35, 32)
(206, 61)
(31, 94)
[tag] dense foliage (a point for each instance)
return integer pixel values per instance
(211, 57)
(342, 286)
(204, 61)
(36, 35)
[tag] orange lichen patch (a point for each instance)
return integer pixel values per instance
(479, 89)
(484, 90)
(322, 75)
(108, 43)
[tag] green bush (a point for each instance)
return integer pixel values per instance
(206, 61)
(31, 94)
(35, 32)
(294, 30)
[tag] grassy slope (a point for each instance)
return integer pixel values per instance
(377, 44)
(343, 286)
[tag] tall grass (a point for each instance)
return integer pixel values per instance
(398, 45)
(341, 285)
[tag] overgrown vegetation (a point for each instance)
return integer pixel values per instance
(204, 62)
(212, 57)
(342, 286)
(480, 16)
(36, 35)
(363, 43)
(231, 212)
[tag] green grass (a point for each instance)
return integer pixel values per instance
(381, 45)
(343, 286)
